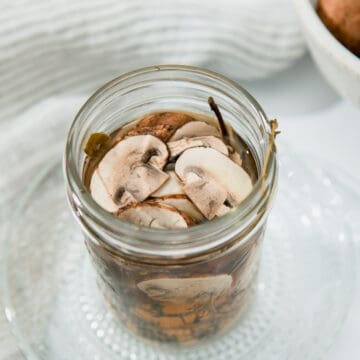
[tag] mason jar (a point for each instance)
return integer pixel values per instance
(173, 286)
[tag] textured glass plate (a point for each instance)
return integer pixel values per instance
(306, 280)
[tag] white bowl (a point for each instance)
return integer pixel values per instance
(339, 65)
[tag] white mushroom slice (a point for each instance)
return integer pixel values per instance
(194, 129)
(223, 210)
(144, 180)
(234, 156)
(207, 175)
(207, 195)
(100, 194)
(179, 146)
(189, 289)
(170, 187)
(155, 215)
(131, 170)
(182, 203)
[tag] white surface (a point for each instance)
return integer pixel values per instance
(338, 64)
(318, 123)
(315, 122)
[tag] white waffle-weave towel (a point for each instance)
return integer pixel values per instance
(50, 47)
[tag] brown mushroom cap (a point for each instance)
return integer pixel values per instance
(161, 125)
(130, 171)
(342, 18)
(211, 178)
(155, 215)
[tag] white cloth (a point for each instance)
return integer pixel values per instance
(66, 46)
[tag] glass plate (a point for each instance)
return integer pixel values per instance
(305, 286)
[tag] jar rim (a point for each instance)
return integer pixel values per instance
(120, 235)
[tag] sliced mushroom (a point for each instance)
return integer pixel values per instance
(182, 203)
(180, 290)
(161, 125)
(170, 187)
(155, 215)
(208, 175)
(206, 194)
(179, 146)
(223, 210)
(175, 119)
(195, 129)
(131, 171)
(234, 155)
(160, 131)
(100, 194)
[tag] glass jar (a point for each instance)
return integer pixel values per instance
(175, 286)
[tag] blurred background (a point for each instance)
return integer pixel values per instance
(54, 54)
(57, 47)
